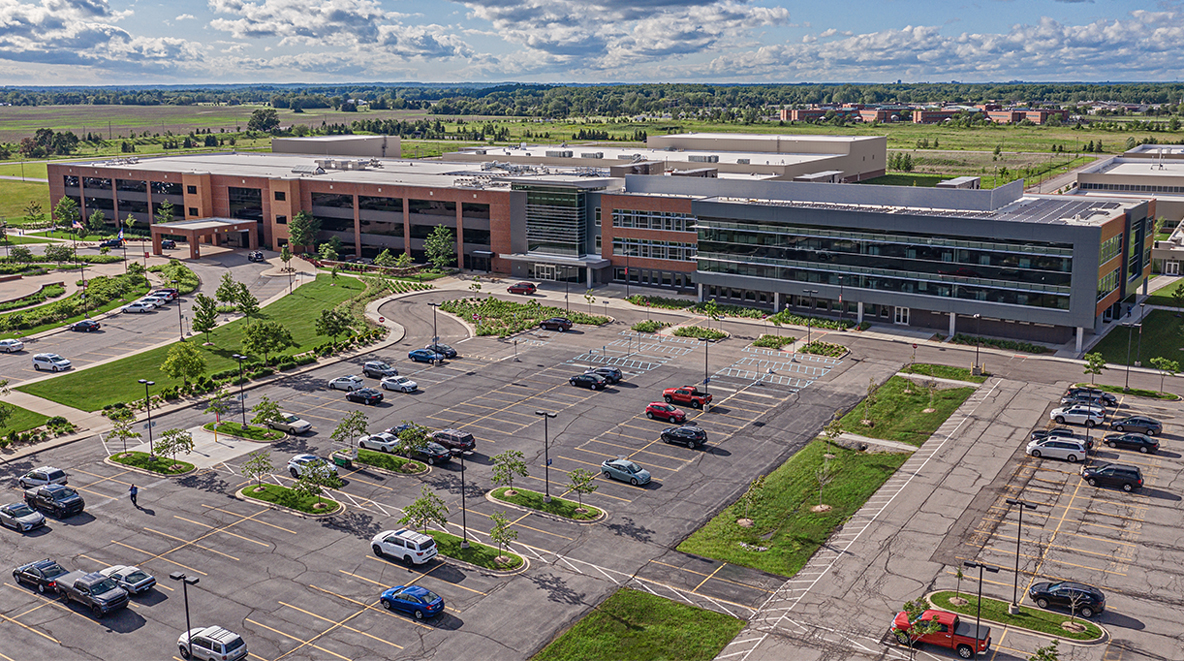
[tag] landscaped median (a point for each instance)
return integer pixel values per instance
(640, 626)
(155, 464)
(493, 316)
(1034, 619)
(250, 432)
(289, 498)
(568, 509)
(944, 372)
(390, 462)
(904, 411)
(477, 554)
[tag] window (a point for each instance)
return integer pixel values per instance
(281, 220)
(96, 183)
(280, 196)
(70, 181)
(131, 185)
(165, 188)
(192, 211)
(333, 200)
(387, 204)
(474, 210)
(433, 207)
(192, 190)
(476, 236)
(670, 221)
(672, 250)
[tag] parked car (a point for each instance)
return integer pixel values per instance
(589, 380)
(1138, 423)
(158, 300)
(138, 307)
(431, 453)
(687, 435)
(424, 356)
(1108, 399)
(399, 383)
(168, 293)
(664, 411)
(456, 440)
(100, 594)
(20, 517)
(290, 424)
(1078, 414)
(351, 382)
(255, 256)
(381, 442)
(527, 288)
(965, 638)
(42, 476)
(43, 575)
(11, 345)
(1087, 398)
(376, 369)
(1055, 431)
(556, 324)
(130, 578)
(442, 349)
(212, 644)
(168, 244)
(1130, 478)
(413, 600)
(687, 395)
(413, 548)
(50, 361)
(1058, 447)
(57, 499)
(1132, 441)
(1088, 601)
(301, 462)
(625, 470)
(364, 396)
(611, 374)
(85, 326)
(111, 243)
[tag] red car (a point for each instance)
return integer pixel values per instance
(527, 288)
(664, 411)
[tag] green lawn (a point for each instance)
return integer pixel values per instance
(30, 169)
(14, 239)
(157, 464)
(900, 416)
(907, 179)
(250, 432)
(943, 372)
(558, 506)
(1028, 618)
(92, 389)
(388, 461)
(1161, 337)
(273, 493)
(637, 626)
(783, 523)
(16, 195)
(111, 305)
(23, 420)
(477, 553)
(1163, 295)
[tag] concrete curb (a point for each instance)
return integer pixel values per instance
(144, 471)
(275, 506)
(1104, 638)
(499, 572)
(283, 436)
(358, 465)
(604, 514)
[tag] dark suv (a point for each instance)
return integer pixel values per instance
(1085, 600)
(59, 500)
(556, 324)
(455, 440)
(1129, 478)
(42, 575)
(688, 435)
(431, 453)
(611, 374)
(1107, 399)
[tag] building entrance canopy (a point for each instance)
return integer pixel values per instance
(214, 231)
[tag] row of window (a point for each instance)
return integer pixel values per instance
(652, 249)
(127, 185)
(1108, 283)
(1132, 188)
(1111, 248)
(395, 205)
(653, 220)
(655, 278)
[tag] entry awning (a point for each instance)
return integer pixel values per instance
(482, 253)
(583, 261)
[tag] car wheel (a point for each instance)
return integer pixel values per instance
(1092, 482)
(1090, 423)
(184, 651)
(697, 405)
(418, 614)
(668, 398)
(1087, 612)
(606, 474)
(41, 588)
(1060, 419)
(1143, 449)
(1118, 428)
(633, 481)
(377, 551)
(1110, 443)
(965, 651)
(1072, 458)
(1151, 432)
(36, 367)
(902, 638)
(1127, 487)
(23, 485)
(1043, 603)
(55, 369)
(98, 612)
(1036, 453)
(690, 445)
(386, 604)
(293, 472)
(408, 561)
(649, 415)
(431, 461)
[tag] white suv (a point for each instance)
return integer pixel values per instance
(298, 464)
(411, 547)
(39, 477)
(1058, 447)
(50, 361)
(212, 643)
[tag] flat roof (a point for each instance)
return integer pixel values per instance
(762, 137)
(628, 155)
(1142, 167)
(204, 224)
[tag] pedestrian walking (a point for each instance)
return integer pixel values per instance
(133, 492)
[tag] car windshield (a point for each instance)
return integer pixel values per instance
(290, 418)
(382, 366)
(436, 448)
(65, 493)
(630, 466)
(443, 347)
(234, 644)
(429, 596)
(20, 510)
(105, 585)
(136, 576)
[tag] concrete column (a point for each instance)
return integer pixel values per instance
(859, 312)
(589, 275)
(700, 286)
(406, 226)
(357, 229)
(460, 236)
(776, 301)
(953, 322)
(1080, 336)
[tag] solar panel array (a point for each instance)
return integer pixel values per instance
(1025, 210)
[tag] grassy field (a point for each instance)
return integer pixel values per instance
(16, 240)
(639, 626)
(30, 169)
(900, 416)
(16, 195)
(1028, 618)
(943, 372)
(158, 464)
(117, 381)
(1163, 295)
(478, 554)
(558, 506)
(273, 493)
(783, 523)
(23, 420)
(1162, 336)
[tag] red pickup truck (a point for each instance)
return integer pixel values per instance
(688, 395)
(952, 634)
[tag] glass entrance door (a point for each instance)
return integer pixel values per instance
(544, 271)
(902, 316)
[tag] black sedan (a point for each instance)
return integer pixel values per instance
(85, 326)
(556, 324)
(1108, 399)
(591, 381)
(364, 396)
(1055, 431)
(1132, 441)
(42, 575)
(430, 454)
(255, 256)
(1086, 601)
(610, 374)
(442, 349)
(1138, 423)
(688, 435)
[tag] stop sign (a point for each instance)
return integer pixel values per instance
(381, 319)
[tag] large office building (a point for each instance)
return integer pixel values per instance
(999, 262)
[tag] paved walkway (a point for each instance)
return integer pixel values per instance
(207, 451)
(895, 446)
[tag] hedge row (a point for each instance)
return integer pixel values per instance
(494, 316)
(649, 326)
(704, 308)
(1007, 345)
(821, 348)
(699, 332)
(100, 290)
(790, 319)
(187, 280)
(42, 295)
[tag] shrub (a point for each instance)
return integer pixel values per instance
(187, 280)
(790, 319)
(820, 348)
(773, 341)
(56, 421)
(1008, 345)
(649, 326)
(699, 332)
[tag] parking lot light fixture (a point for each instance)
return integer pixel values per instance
(1130, 329)
(435, 335)
(1014, 606)
(180, 322)
(148, 408)
(546, 455)
(706, 349)
(242, 399)
(979, 616)
(978, 319)
(1139, 350)
(186, 581)
(811, 293)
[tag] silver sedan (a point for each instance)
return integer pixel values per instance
(21, 517)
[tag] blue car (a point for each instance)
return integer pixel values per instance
(424, 356)
(626, 471)
(413, 600)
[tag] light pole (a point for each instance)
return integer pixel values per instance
(546, 456)
(242, 400)
(180, 323)
(1139, 351)
(464, 526)
(706, 349)
(1130, 329)
(148, 408)
(979, 616)
(978, 340)
(812, 293)
(1014, 607)
(186, 581)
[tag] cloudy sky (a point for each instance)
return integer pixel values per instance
(67, 42)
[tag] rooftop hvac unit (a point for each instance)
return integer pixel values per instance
(308, 169)
(703, 158)
(592, 154)
(627, 157)
(565, 153)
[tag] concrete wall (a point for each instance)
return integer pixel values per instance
(377, 146)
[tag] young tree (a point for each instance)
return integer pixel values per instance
(918, 628)
(173, 441)
(868, 402)
(333, 322)
(501, 535)
(403, 260)
(314, 478)
(285, 256)
(475, 285)
(33, 213)
(426, 510)
(227, 290)
(122, 429)
(1049, 652)
(205, 315)
(266, 337)
(184, 361)
(327, 253)
(21, 254)
(825, 476)
(413, 438)
(164, 213)
(590, 298)
(219, 404)
(581, 482)
(385, 259)
(257, 465)
(303, 229)
(440, 248)
(245, 301)
(1177, 295)
(350, 428)
(266, 411)
(959, 575)
(833, 430)
(97, 221)
(1095, 363)
(1166, 368)
(753, 495)
(65, 214)
(507, 465)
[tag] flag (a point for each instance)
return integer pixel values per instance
(77, 225)
(121, 234)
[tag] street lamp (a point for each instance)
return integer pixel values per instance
(1130, 329)
(706, 349)
(241, 398)
(1139, 351)
(978, 340)
(435, 335)
(979, 616)
(546, 456)
(148, 407)
(464, 543)
(180, 323)
(812, 293)
(186, 581)
(1014, 607)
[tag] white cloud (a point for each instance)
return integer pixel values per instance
(185, 17)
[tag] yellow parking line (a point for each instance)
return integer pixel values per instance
(708, 577)
(180, 539)
(366, 607)
(1077, 534)
(159, 557)
(699, 573)
(287, 530)
(102, 479)
(1066, 548)
(25, 626)
(343, 626)
(302, 642)
(598, 493)
(206, 525)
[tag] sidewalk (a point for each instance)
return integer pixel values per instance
(207, 452)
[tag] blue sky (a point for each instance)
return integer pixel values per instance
(73, 42)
